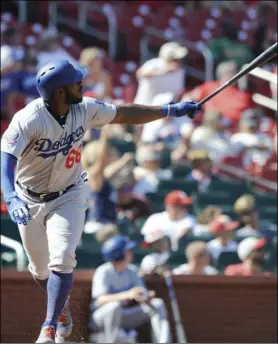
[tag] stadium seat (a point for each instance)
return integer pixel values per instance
(219, 198)
(225, 259)
(181, 171)
(231, 187)
(189, 187)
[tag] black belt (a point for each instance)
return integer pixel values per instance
(45, 197)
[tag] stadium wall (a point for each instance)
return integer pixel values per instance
(214, 309)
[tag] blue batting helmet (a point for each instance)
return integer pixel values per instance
(56, 75)
(115, 247)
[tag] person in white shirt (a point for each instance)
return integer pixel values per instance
(162, 74)
(148, 173)
(175, 221)
(156, 262)
(223, 228)
(198, 261)
(212, 136)
(249, 136)
(50, 49)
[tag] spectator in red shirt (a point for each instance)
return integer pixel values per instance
(251, 253)
(236, 99)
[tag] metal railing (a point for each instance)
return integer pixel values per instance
(18, 248)
(264, 75)
(83, 7)
(196, 47)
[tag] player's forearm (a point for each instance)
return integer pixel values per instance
(101, 300)
(8, 163)
(133, 114)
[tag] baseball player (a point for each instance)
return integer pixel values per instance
(120, 299)
(45, 194)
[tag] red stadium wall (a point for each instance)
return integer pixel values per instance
(214, 309)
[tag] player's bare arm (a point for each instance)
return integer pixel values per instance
(133, 114)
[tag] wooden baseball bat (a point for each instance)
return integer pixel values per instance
(180, 333)
(258, 61)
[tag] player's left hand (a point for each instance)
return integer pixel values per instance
(190, 109)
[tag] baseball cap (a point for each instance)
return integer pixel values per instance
(154, 235)
(172, 50)
(222, 223)
(248, 245)
(177, 197)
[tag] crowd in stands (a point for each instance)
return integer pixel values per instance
(128, 166)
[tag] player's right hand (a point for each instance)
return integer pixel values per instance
(137, 293)
(18, 210)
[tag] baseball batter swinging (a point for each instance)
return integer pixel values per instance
(45, 194)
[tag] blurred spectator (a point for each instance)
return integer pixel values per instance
(98, 79)
(118, 291)
(204, 219)
(12, 49)
(162, 74)
(249, 135)
(251, 253)
(4, 209)
(156, 262)
(148, 173)
(228, 47)
(212, 136)
(132, 206)
(104, 166)
(50, 49)
(175, 221)
(106, 232)
(27, 78)
(198, 261)
(236, 99)
(245, 208)
(202, 169)
(223, 228)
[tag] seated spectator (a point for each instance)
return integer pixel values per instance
(204, 219)
(175, 221)
(11, 47)
(238, 100)
(162, 74)
(246, 210)
(107, 232)
(223, 228)
(156, 262)
(249, 135)
(4, 209)
(50, 49)
(198, 261)
(120, 300)
(228, 47)
(132, 206)
(27, 78)
(202, 169)
(98, 79)
(251, 253)
(103, 165)
(212, 136)
(148, 173)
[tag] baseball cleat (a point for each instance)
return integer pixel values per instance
(47, 335)
(64, 325)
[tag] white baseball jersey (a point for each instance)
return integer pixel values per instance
(49, 154)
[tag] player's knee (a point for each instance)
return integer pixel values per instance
(64, 262)
(39, 272)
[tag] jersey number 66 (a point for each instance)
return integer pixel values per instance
(73, 157)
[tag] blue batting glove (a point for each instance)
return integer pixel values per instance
(18, 209)
(180, 109)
